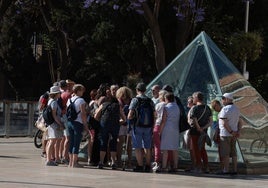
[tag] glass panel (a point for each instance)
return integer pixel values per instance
(253, 108)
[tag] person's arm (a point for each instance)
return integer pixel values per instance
(83, 112)
(130, 114)
(227, 127)
(97, 114)
(122, 115)
(163, 122)
(239, 127)
(189, 119)
(54, 114)
(196, 124)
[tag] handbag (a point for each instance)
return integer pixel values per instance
(40, 123)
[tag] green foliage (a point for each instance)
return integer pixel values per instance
(246, 46)
(48, 42)
(103, 32)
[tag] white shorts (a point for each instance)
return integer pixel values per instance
(66, 130)
(53, 132)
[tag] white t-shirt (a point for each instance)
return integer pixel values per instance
(159, 108)
(230, 113)
(78, 102)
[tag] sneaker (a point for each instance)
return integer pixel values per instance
(114, 166)
(58, 161)
(51, 163)
(138, 169)
(164, 170)
(222, 173)
(197, 171)
(147, 168)
(77, 165)
(100, 166)
(206, 171)
(65, 161)
(173, 170)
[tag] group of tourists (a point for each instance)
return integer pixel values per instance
(116, 121)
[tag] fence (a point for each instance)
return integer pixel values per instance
(17, 118)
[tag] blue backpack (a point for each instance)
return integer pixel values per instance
(144, 113)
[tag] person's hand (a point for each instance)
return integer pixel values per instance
(237, 134)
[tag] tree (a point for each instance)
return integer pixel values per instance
(188, 10)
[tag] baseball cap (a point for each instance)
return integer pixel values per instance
(228, 96)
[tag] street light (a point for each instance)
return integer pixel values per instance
(245, 72)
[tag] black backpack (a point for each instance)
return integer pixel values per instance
(71, 111)
(110, 112)
(183, 124)
(47, 115)
(144, 115)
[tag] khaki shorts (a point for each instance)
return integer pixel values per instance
(227, 145)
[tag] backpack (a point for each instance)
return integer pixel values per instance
(42, 102)
(144, 113)
(47, 115)
(71, 111)
(183, 123)
(110, 112)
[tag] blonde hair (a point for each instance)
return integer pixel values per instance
(124, 93)
(214, 103)
(162, 94)
(78, 87)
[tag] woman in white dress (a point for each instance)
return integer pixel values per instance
(169, 131)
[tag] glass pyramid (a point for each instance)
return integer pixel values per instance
(202, 66)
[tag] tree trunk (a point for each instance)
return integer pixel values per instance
(159, 48)
(62, 46)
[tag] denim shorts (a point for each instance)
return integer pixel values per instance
(141, 137)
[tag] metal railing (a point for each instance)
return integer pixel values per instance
(17, 118)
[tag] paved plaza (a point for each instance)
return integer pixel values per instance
(22, 166)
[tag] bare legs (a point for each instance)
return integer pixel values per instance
(175, 156)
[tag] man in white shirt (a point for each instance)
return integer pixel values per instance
(230, 125)
(155, 92)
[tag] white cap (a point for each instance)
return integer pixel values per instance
(228, 96)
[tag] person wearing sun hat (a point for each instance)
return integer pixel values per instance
(230, 125)
(55, 129)
(70, 85)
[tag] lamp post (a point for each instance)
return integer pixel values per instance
(245, 72)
